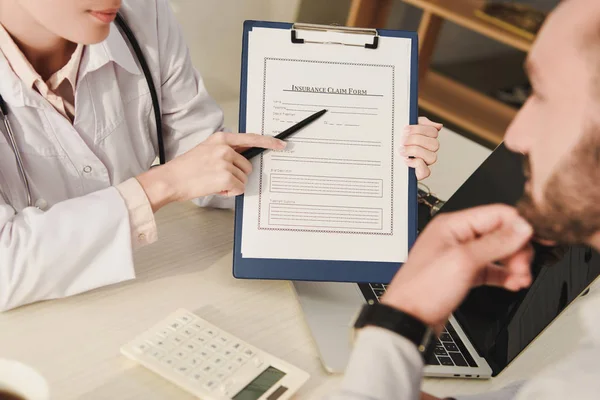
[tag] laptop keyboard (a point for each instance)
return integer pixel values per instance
(449, 348)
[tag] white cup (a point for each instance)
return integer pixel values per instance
(22, 380)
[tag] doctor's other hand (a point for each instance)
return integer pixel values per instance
(421, 142)
(215, 166)
(457, 252)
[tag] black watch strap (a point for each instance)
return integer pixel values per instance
(383, 316)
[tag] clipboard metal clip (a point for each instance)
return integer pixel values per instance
(332, 28)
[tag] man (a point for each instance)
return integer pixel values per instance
(558, 130)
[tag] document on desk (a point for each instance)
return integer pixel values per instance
(339, 191)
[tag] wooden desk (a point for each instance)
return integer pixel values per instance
(484, 116)
(75, 342)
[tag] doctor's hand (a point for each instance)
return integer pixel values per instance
(420, 141)
(213, 167)
(456, 252)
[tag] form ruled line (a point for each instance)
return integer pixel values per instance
(340, 140)
(328, 106)
(352, 113)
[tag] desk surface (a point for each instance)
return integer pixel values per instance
(75, 342)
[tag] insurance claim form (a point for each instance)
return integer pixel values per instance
(339, 191)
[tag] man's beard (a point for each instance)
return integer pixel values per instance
(570, 210)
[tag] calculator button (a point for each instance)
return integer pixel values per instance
(236, 346)
(164, 332)
(175, 325)
(197, 326)
(202, 340)
(207, 369)
(157, 354)
(258, 362)
(194, 361)
(249, 353)
(141, 347)
(223, 340)
(185, 318)
(170, 361)
(190, 346)
(227, 353)
(197, 375)
(210, 332)
(218, 361)
(214, 346)
(180, 354)
(162, 344)
(211, 384)
(183, 369)
(220, 375)
(177, 340)
(203, 354)
(231, 368)
(187, 332)
(240, 360)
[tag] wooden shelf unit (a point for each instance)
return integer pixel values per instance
(461, 105)
(462, 12)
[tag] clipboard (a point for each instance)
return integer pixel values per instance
(324, 270)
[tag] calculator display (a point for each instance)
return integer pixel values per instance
(260, 385)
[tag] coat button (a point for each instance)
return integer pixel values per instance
(87, 169)
(41, 204)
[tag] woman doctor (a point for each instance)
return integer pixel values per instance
(82, 120)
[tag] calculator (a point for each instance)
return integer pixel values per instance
(211, 363)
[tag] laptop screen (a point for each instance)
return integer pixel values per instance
(500, 324)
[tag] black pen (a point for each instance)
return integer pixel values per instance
(254, 151)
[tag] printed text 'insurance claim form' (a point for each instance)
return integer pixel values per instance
(340, 189)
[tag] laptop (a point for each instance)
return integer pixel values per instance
(492, 326)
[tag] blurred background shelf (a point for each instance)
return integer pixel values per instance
(483, 116)
(462, 12)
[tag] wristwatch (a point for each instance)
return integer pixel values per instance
(383, 316)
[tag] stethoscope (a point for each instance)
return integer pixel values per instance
(153, 94)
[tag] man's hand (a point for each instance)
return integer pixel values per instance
(456, 252)
(213, 167)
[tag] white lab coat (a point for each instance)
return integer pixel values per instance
(80, 239)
